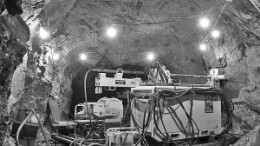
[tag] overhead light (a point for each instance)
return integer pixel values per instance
(82, 56)
(215, 33)
(56, 56)
(204, 22)
(111, 32)
(44, 34)
(203, 47)
(151, 56)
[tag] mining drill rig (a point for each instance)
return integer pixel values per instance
(158, 110)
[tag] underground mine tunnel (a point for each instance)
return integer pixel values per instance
(129, 72)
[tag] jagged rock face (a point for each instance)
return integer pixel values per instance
(238, 50)
(250, 139)
(13, 38)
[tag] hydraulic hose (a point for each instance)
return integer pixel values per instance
(40, 126)
(24, 121)
(20, 127)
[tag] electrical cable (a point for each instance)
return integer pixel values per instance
(157, 102)
(40, 126)
(146, 121)
(160, 116)
(189, 116)
(225, 4)
(147, 124)
(132, 103)
(143, 126)
(174, 117)
(190, 134)
(226, 104)
(156, 124)
(91, 131)
(143, 130)
(126, 111)
(20, 127)
(228, 107)
(179, 124)
(86, 96)
(74, 141)
(93, 144)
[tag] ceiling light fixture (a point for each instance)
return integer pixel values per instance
(43, 33)
(203, 47)
(215, 33)
(204, 22)
(111, 32)
(151, 56)
(82, 56)
(56, 56)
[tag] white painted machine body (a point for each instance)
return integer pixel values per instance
(117, 81)
(108, 108)
(206, 112)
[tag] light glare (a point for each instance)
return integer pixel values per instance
(43, 33)
(83, 57)
(215, 33)
(203, 47)
(204, 22)
(150, 56)
(56, 56)
(111, 32)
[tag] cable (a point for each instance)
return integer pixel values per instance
(146, 126)
(127, 110)
(85, 93)
(156, 124)
(40, 126)
(74, 141)
(215, 22)
(20, 127)
(93, 144)
(189, 116)
(146, 121)
(226, 104)
(81, 142)
(228, 107)
(189, 131)
(160, 115)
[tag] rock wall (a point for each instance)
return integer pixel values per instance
(238, 52)
(13, 37)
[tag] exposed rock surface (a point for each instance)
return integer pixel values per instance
(250, 139)
(13, 38)
(238, 51)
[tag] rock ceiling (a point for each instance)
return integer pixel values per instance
(164, 27)
(168, 28)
